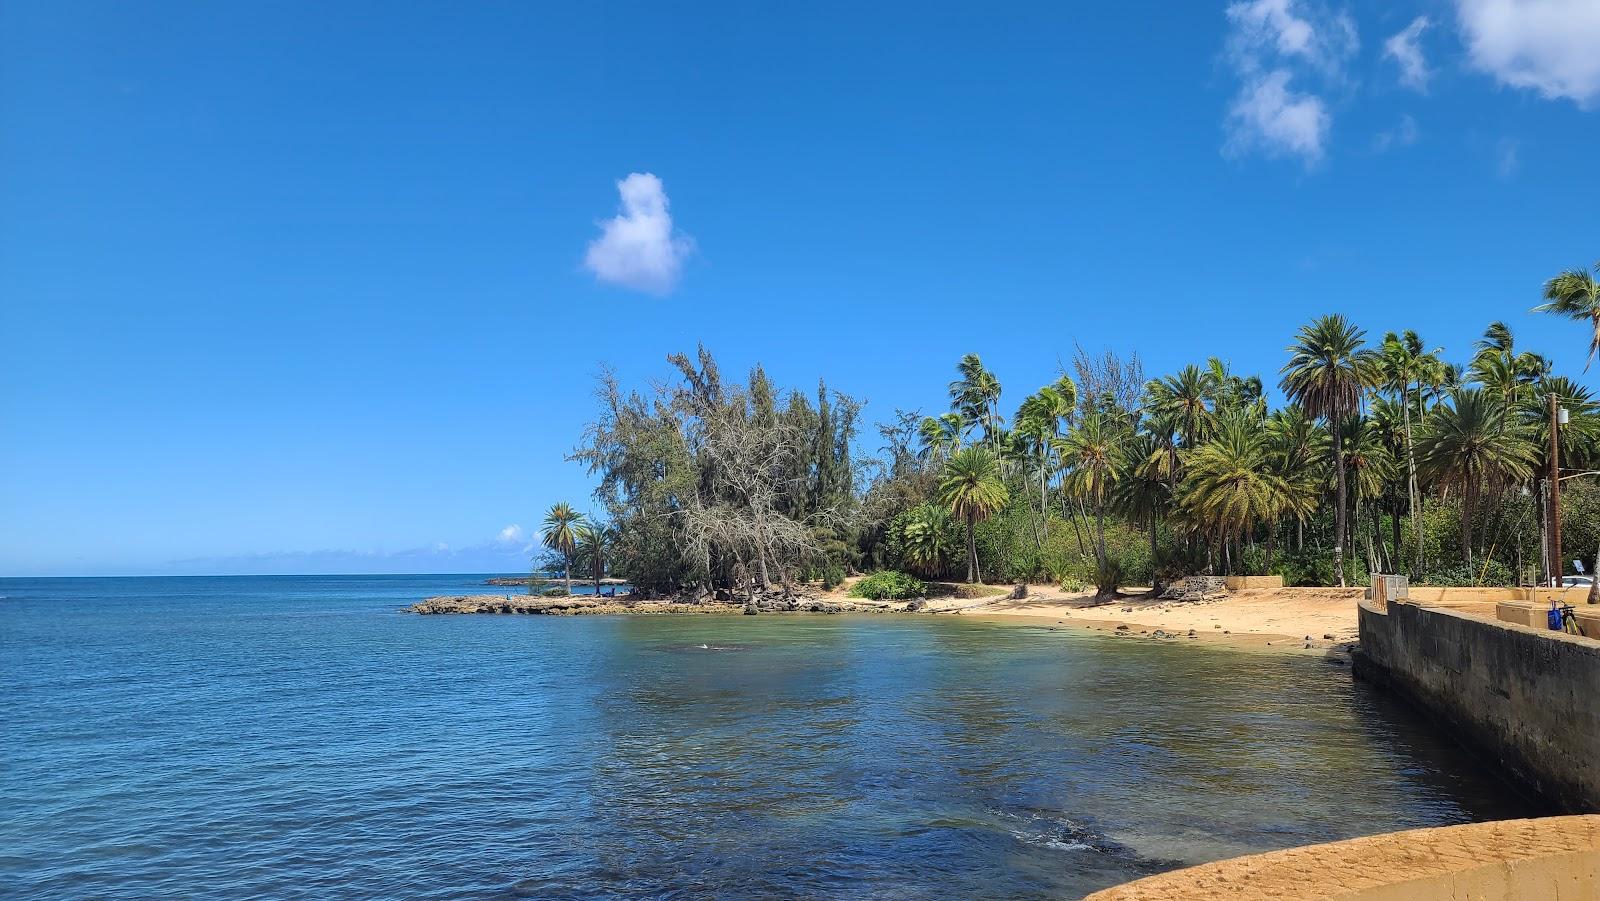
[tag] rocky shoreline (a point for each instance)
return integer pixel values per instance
(580, 606)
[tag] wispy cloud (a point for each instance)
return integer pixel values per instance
(1405, 49)
(1550, 46)
(1271, 44)
(1508, 157)
(1403, 134)
(639, 248)
(511, 534)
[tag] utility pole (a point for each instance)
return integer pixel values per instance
(1555, 491)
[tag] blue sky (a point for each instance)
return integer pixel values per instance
(323, 287)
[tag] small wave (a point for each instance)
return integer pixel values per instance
(706, 646)
(1059, 834)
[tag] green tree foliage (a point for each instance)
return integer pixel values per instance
(973, 490)
(1384, 457)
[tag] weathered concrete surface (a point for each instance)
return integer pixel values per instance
(1552, 859)
(1527, 698)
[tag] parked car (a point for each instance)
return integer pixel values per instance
(1576, 581)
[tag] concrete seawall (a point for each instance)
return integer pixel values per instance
(1527, 698)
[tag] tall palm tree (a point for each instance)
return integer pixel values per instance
(1327, 372)
(973, 490)
(1372, 467)
(938, 437)
(1142, 490)
(1499, 367)
(1576, 295)
(1090, 455)
(1037, 426)
(1296, 444)
(1184, 397)
(590, 547)
(1404, 362)
(1470, 443)
(1231, 486)
(976, 396)
(559, 534)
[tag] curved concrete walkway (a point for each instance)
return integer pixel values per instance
(1549, 859)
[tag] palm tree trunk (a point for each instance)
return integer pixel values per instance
(567, 572)
(1272, 541)
(1467, 498)
(1044, 500)
(1155, 578)
(972, 549)
(1339, 495)
(1394, 537)
(1411, 485)
(1100, 538)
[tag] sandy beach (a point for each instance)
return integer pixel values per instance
(1296, 620)
(1288, 620)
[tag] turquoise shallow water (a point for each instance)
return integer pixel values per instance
(299, 737)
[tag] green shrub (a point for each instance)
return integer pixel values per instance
(1495, 573)
(557, 592)
(889, 585)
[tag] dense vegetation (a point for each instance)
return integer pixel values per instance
(1384, 457)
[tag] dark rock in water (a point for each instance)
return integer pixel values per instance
(1328, 636)
(1122, 628)
(916, 606)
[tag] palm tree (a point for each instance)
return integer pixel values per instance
(973, 490)
(1471, 443)
(976, 396)
(1183, 398)
(1372, 466)
(559, 535)
(1327, 372)
(591, 543)
(1403, 361)
(938, 437)
(1498, 367)
(1090, 455)
(924, 544)
(1576, 295)
(1142, 490)
(1296, 447)
(1231, 485)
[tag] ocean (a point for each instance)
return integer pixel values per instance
(301, 737)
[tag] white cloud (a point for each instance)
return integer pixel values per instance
(1268, 116)
(1551, 46)
(1270, 44)
(1402, 135)
(1405, 50)
(510, 534)
(638, 248)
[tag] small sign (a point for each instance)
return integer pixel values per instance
(1578, 565)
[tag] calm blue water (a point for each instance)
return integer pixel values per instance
(299, 737)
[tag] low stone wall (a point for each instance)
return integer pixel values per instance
(1510, 860)
(1237, 583)
(1527, 698)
